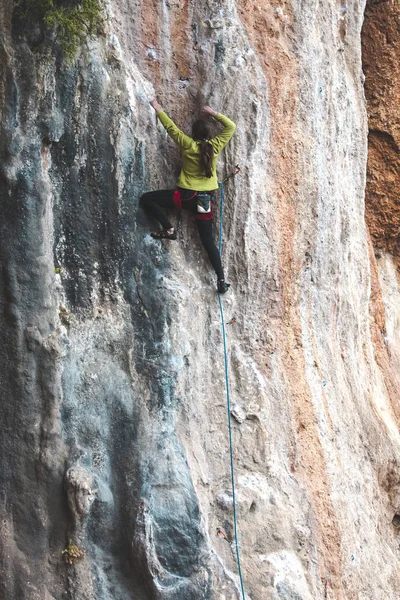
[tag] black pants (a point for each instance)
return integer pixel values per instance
(154, 204)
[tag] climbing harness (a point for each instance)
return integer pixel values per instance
(221, 209)
(203, 203)
(177, 199)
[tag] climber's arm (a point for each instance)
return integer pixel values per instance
(181, 139)
(229, 128)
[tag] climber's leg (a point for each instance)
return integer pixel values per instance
(205, 230)
(154, 204)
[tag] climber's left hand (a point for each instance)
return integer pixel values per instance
(155, 105)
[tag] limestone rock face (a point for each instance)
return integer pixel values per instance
(381, 50)
(114, 423)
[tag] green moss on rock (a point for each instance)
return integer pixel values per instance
(74, 22)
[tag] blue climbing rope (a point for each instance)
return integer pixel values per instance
(221, 210)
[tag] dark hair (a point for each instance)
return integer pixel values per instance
(200, 133)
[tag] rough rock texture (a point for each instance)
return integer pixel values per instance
(381, 51)
(112, 381)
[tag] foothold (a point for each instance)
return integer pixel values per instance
(224, 501)
(157, 260)
(238, 413)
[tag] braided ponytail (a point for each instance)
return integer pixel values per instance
(206, 156)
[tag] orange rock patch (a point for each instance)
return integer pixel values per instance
(269, 28)
(381, 51)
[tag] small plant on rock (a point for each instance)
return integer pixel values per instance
(73, 553)
(74, 21)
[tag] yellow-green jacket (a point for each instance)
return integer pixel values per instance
(192, 176)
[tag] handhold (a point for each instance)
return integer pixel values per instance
(80, 490)
(224, 501)
(151, 53)
(238, 413)
(216, 23)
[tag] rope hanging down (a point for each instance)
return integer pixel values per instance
(221, 209)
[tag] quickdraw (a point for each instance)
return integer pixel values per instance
(235, 171)
(221, 533)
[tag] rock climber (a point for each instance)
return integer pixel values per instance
(196, 184)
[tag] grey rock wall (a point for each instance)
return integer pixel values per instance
(112, 377)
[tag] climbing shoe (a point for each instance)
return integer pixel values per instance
(223, 287)
(163, 235)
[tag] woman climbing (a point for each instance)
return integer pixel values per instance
(196, 183)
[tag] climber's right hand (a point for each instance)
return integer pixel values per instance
(207, 111)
